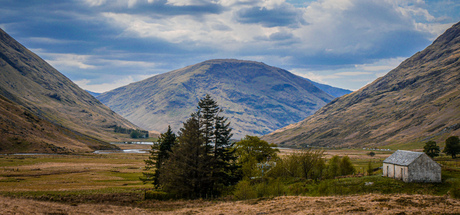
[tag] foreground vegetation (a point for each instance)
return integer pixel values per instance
(114, 179)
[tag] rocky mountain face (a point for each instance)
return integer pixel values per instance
(256, 98)
(416, 102)
(44, 93)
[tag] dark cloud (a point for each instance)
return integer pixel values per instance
(279, 16)
(161, 8)
(281, 36)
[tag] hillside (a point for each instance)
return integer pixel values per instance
(31, 83)
(257, 98)
(333, 91)
(22, 131)
(415, 102)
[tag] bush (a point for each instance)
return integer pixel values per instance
(157, 195)
(454, 191)
(244, 191)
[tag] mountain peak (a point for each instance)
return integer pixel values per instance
(257, 98)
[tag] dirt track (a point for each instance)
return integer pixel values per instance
(364, 204)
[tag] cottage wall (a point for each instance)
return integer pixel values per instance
(424, 169)
(388, 170)
(395, 171)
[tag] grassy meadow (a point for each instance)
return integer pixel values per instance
(111, 181)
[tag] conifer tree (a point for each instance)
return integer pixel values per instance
(203, 161)
(187, 171)
(224, 153)
(159, 153)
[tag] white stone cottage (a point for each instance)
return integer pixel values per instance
(412, 167)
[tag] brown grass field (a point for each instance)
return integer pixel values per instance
(357, 204)
(109, 184)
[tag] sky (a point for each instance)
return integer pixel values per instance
(105, 44)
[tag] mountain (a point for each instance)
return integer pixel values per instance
(44, 93)
(415, 102)
(23, 131)
(256, 98)
(333, 91)
(93, 93)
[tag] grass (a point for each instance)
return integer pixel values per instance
(113, 179)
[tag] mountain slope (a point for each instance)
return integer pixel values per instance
(29, 81)
(417, 101)
(255, 97)
(333, 91)
(22, 131)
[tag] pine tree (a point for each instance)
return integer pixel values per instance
(203, 161)
(159, 153)
(187, 171)
(224, 154)
(207, 112)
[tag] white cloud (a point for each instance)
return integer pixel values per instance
(70, 60)
(94, 3)
(103, 87)
(351, 76)
(109, 83)
(381, 65)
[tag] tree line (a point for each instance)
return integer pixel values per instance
(133, 133)
(452, 147)
(201, 160)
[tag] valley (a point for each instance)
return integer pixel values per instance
(244, 137)
(109, 184)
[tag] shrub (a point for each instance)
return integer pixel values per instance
(157, 195)
(455, 190)
(244, 191)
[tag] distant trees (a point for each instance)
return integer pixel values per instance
(306, 164)
(133, 133)
(431, 149)
(452, 146)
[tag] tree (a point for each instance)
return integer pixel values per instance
(252, 150)
(309, 161)
(159, 153)
(452, 146)
(370, 169)
(333, 167)
(135, 134)
(204, 160)
(187, 171)
(216, 133)
(431, 149)
(346, 167)
(224, 154)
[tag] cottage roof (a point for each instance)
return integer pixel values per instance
(402, 157)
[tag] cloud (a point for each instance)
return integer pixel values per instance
(353, 75)
(271, 16)
(69, 60)
(329, 40)
(109, 82)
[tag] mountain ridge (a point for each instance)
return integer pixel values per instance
(415, 102)
(32, 83)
